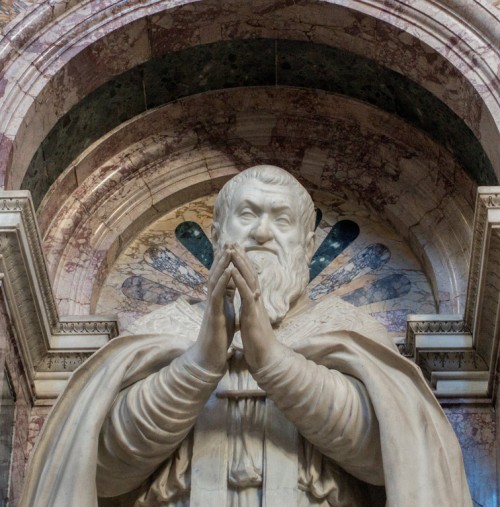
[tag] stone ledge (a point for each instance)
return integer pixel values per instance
(459, 356)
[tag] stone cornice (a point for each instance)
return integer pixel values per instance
(442, 345)
(460, 355)
(51, 348)
(488, 198)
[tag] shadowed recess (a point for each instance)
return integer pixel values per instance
(371, 257)
(162, 259)
(193, 238)
(138, 287)
(7, 424)
(341, 235)
(244, 63)
(319, 216)
(389, 287)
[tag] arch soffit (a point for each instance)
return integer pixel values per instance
(40, 51)
(166, 156)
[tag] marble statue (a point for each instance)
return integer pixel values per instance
(259, 397)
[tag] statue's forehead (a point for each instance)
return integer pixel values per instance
(264, 193)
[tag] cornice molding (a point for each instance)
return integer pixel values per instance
(488, 199)
(460, 355)
(51, 348)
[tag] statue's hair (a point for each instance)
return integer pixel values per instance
(271, 175)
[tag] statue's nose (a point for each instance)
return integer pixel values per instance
(262, 232)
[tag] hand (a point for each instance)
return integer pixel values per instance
(260, 345)
(217, 328)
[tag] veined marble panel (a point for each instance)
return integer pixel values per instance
(374, 268)
(243, 64)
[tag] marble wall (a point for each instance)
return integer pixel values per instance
(10, 364)
(393, 164)
(9, 9)
(449, 52)
(187, 149)
(476, 429)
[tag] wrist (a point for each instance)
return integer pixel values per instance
(273, 352)
(206, 358)
(279, 365)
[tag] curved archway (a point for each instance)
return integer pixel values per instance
(47, 71)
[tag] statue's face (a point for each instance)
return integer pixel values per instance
(262, 218)
(265, 221)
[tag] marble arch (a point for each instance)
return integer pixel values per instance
(44, 53)
(172, 157)
(65, 51)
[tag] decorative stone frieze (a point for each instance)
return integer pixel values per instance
(442, 345)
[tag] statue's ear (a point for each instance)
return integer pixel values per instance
(215, 233)
(310, 242)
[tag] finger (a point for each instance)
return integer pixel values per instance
(230, 289)
(218, 256)
(219, 290)
(215, 261)
(241, 262)
(219, 269)
(246, 293)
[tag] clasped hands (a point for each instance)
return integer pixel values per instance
(231, 270)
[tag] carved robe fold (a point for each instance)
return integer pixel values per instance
(274, 461)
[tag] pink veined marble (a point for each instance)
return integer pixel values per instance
(424, 42)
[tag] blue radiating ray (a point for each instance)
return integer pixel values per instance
(194, 239)
(141, 288)
(164, 260)
(393, 320)
(370, 258)
(341, 235)
(389, 287)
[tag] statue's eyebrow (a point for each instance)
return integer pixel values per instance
(246, 203)
(283, 207)
(278, 208)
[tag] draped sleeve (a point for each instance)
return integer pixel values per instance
(148, 421)
(331, 410)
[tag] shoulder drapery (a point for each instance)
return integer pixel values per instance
(63, 465)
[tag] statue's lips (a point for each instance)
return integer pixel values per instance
(261, 249)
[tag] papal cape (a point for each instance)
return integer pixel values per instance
(422, 459)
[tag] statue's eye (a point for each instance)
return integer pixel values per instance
(283, 220)
(247, 214)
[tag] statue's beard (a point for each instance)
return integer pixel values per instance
(282, 279)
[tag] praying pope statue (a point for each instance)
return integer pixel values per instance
(258, 397)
